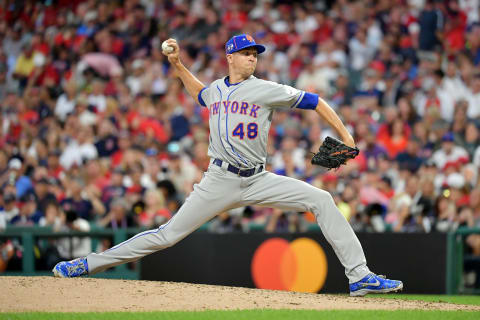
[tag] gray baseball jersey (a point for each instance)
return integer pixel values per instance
(240, 117)
(241, 114)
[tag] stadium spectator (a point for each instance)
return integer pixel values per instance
(431, 22)
(181, 171)
(74, 247)
(9, 208)
(29, 215)
(79, 147)
(118, 216)
(14, 175)
(409, 159)
(470, 139)
(115, 187)
(83, 201)
(395, 140)
(449, 153)
(446, 213)
(155, 212)
(42, 194)
(473, 98)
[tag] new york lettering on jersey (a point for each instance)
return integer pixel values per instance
(235, 107)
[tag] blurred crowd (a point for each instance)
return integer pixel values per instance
(96, 130)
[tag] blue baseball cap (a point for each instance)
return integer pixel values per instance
(240, 42)
(448, 137)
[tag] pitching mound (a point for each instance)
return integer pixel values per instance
(86, 294)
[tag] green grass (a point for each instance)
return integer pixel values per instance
(275, 314)
(250, 314)
(471, 300)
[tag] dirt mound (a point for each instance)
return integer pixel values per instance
(87, 294)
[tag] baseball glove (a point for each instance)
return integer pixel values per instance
(333, 153)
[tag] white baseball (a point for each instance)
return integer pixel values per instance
(166, 47)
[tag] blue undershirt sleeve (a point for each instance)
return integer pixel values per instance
(200, 99)
(309, 101)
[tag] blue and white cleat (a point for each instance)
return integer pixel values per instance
(373, 283)
(70, 269)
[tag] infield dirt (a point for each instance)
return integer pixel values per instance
(20, 294)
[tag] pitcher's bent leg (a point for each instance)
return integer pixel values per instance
(206, 201)
(292, 194)
(340, 235)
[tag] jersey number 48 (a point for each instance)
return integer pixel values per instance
(252, 130)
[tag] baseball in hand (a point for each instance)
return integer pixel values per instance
(166, 47)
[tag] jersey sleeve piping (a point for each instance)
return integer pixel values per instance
(300, 97)
(200, 99)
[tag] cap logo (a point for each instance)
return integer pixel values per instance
(230, 47)
(249, 38)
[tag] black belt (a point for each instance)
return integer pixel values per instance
(237, 171)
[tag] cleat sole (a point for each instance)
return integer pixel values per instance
(363, 292)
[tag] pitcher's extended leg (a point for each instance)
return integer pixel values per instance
(268, 189)
(214, 194)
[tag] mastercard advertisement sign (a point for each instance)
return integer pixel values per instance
(299, 265)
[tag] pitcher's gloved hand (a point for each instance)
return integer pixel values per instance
(333, 153)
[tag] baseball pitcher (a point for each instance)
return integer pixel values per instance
(241, 108)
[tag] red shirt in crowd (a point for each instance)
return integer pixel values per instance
(146, 126)
(145, 219)
(394, 146)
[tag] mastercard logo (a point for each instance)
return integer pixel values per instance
(297, 266)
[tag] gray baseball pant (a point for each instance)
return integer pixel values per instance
(221, 190)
